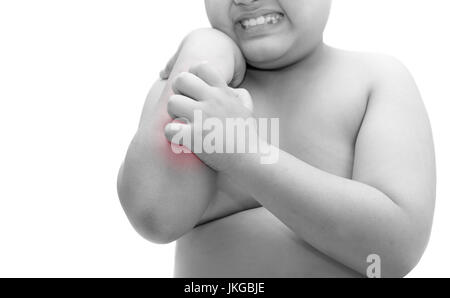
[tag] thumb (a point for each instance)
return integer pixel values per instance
(180, 134)
(244, 97)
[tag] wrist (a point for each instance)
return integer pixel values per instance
(262, 154)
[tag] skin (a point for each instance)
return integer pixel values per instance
(356, 173)
(296, 39)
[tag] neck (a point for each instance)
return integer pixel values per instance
(305, 64)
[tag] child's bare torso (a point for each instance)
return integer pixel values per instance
(320, 106)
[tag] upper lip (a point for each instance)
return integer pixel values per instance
(254, 14)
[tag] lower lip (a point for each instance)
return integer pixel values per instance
(259, 30)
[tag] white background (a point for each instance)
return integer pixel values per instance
(73, 78)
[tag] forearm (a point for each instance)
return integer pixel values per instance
(344, 219)
(163, 200)
(215, 47)
(165, 194)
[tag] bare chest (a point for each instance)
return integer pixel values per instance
(318, 124)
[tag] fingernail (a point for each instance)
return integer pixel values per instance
(182, 120)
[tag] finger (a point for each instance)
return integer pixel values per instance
(179, 134)
(165, 73)
(209, 74)
(179, 106)
(244, 97)
(190, 85)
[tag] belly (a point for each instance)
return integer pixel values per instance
(237, 237)
(251, 244)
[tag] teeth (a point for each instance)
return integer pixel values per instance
(267, 19)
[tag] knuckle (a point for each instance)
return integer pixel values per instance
(181, 79)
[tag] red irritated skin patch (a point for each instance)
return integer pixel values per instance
(184, 160)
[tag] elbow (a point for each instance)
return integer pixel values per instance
(410, 247)
(144, 219)
(393, 263)
(148, 223)
(153, 229)
(400, 265)
(405, 257)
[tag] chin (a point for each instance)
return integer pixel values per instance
(265, 54)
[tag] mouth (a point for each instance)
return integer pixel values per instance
(265, 19)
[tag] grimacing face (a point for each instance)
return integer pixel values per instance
(271, 33)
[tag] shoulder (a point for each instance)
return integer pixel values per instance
(378, 69)
(381, 73)
(369, 60)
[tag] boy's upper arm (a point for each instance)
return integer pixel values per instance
(152, 99)
(394, 150)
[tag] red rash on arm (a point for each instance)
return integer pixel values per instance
(184, 160)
